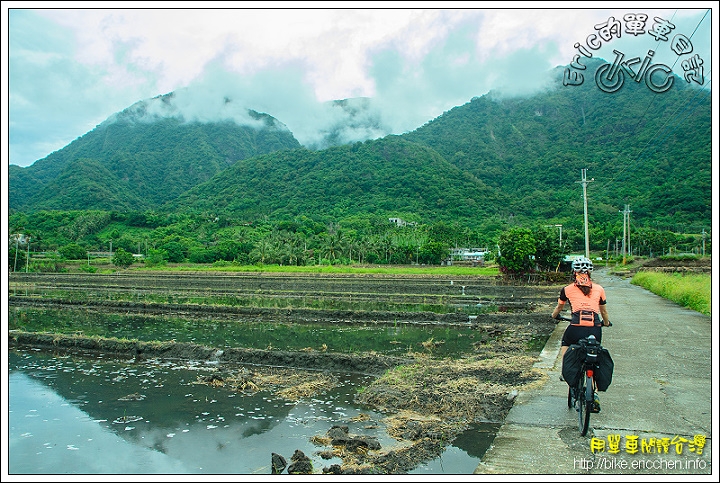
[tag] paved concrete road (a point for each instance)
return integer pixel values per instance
(661, 388)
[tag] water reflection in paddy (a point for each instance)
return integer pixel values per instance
(101, 415)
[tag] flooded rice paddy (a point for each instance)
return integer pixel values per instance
(142, 404)
(389, 339)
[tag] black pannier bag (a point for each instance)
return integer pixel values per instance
(572, 364)
(604, 370)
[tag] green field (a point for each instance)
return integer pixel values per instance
(490, 270)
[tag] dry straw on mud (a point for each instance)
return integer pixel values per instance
(286, 383)
(467, 389)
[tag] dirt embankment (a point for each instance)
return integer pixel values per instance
(178, 351)
(678, 265)
(220, 312)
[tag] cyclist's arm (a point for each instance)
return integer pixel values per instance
(561, 304)
(604, 314)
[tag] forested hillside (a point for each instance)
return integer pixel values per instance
(131, 163)
(494, 159)
(651, 151)
(387, 177)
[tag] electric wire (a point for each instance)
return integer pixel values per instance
(667, 129)
(670, 118)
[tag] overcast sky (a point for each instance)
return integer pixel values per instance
(70, 68)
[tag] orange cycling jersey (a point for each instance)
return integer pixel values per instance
(585, 308)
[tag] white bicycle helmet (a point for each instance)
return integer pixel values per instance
(582, 265)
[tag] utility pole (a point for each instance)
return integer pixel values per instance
(623, 242)
(27, 259)
(607, 253)
(627, 207)
(560, 226)
(585, 182)
(17, 239)
(626, 232)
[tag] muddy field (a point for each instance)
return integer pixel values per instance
(430, 400)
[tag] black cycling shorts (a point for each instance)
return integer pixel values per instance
(574, 333)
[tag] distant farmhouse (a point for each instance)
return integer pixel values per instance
(468, 254)
(401, 222)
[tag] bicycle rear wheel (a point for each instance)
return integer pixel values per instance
(580, 402)
(586, 405)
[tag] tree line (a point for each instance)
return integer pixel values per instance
(181, 238)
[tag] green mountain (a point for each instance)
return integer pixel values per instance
(511, 159)
(138, 161)
(507, 160)
(387, 177)
(651, 151)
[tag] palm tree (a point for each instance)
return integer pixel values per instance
(334, 244)
(262, 251)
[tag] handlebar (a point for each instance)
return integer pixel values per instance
(569, 319)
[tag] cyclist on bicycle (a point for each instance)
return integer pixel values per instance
(588, 303)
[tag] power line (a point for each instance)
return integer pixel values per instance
(676, 61)
(672, 117)
(644, 152)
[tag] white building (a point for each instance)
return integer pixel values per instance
(401, 222)
(471, 254)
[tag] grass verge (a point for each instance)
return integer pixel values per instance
(691, 291)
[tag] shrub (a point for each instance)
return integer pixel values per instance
(73, 251)
(122, 258)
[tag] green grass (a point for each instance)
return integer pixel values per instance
(691, 291)
(330, 269)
